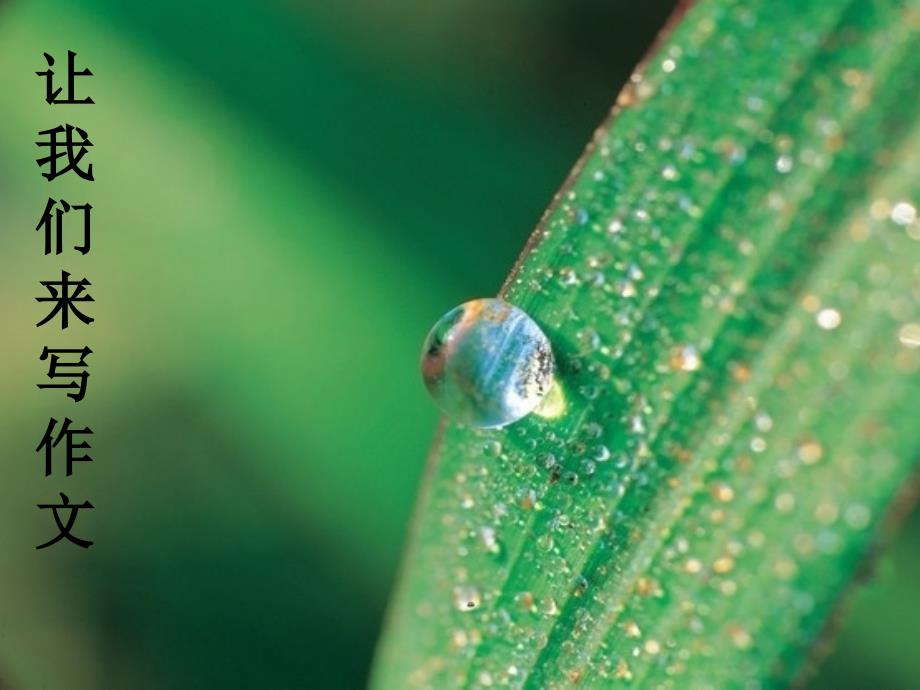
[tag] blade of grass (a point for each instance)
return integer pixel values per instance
(730, 283)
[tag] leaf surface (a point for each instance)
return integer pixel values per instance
(730, 280)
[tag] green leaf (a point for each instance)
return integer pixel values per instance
(730, 280)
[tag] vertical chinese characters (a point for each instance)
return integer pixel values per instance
(66, 229)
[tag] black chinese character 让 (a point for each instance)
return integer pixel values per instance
(52, 94)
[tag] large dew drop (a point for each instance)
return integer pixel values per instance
(486, 363)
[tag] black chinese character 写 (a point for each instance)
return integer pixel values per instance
(58, 369)
(64, 293)
(51, 95)
(72, 150)
(57, 216)
(64, 530)
(49, 441)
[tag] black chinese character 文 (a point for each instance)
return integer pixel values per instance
(64, 293)
(52, 222)
(64, 531)
(51, 93)
(70, 148)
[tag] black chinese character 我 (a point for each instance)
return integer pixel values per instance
(70, 148)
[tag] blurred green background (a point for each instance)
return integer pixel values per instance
(288, 194)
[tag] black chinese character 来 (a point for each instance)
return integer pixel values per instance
(64, 531)
(70, 148)
(49, 441)
(52, 222)
(51, 93)
(58, 369)
(64, 293)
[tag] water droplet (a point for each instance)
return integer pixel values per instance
(459, 639)
(588, 392)
(685, 358)
(763, 421)
(592, 430)
(909, 335)
(525, 601)
(626, 288)
(828, 319)
(487, 364)
(568, 277)
(784, 502)
(754, 103)
(634, 272)
(722, 565)
(577, 447)
(647, 587)
(527, 499)
(548, 460)
(857, 516)
(722, 492)
(615, 226)
(467, 598)
(903, 213)
(492, 449)
(693, 566)
(784, 163)
(739, 636)
(810, 452)
(623, 672)
(489, 539)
